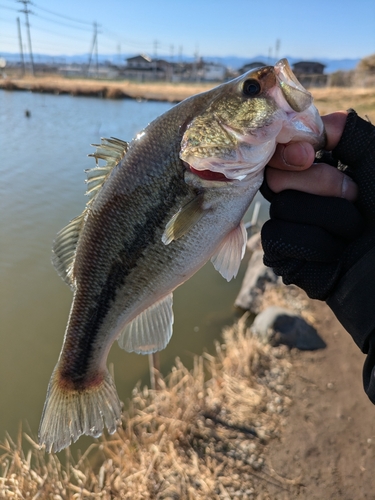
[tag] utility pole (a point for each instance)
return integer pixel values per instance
(277, 48)
(94, 46)
(26, 11)
(96, 50)
(21, 48)
(156, 43)
(119, 54)
(270, 56)
(172, 63)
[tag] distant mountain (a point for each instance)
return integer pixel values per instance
(233, 62)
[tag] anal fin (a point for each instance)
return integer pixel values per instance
(228, 258)
(151, 330)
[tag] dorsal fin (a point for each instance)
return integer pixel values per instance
(64, 248)
(111, 151)
(65, 245)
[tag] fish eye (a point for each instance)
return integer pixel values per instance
(251, 87)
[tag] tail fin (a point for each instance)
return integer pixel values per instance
(68, 414)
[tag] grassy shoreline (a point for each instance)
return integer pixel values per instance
(159, 91)
(326, 99)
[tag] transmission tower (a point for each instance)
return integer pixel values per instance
(21, 48)
(94, 47)
(26, 11)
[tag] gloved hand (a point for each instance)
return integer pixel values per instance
(326, 245)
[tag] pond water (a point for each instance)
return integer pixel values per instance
(43, 158)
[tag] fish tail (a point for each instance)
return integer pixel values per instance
(68, 413)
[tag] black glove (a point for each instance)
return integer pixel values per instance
(326, 245)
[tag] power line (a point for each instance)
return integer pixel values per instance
(38, 28)
(110, 34)
(9, 8)
(61, 23)
(61, 15)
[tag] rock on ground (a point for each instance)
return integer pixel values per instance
(278, 325)
(254, 283)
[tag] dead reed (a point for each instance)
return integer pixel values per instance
(202, 435)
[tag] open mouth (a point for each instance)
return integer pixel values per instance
(208, 175)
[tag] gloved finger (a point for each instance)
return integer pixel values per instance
(316, 278)
(356, 149)
(323, 156)
(265, 190)
(337, 216)
(282, 240)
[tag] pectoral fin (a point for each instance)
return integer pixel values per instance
(151, 330)
(183, 220)
(228, 259)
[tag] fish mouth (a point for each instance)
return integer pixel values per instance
(298, 98)
(304, 122)
(207, 175)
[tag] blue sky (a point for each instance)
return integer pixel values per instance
(315, 29)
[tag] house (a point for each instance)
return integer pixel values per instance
(310, 73)
(213, 72)
(143, 68)
(139, 62)
(308, 68)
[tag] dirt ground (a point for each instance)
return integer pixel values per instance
(328, 446)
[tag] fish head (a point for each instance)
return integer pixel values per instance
(237, 132)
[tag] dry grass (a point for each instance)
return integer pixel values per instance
(193, 439)
(160, 91)
(332, 99)
(327, 99)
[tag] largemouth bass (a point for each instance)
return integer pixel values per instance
(160, 208)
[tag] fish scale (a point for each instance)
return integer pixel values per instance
(158, 210)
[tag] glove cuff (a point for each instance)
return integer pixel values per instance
(353, 300)
(356, 138)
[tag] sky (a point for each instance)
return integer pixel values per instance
(308, 30)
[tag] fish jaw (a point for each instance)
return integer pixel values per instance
(239, 142)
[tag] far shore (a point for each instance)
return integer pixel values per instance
(157, 91)
(326, 99)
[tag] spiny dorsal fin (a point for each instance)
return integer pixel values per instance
(65, 245)
(111, 151)
(64, 248)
